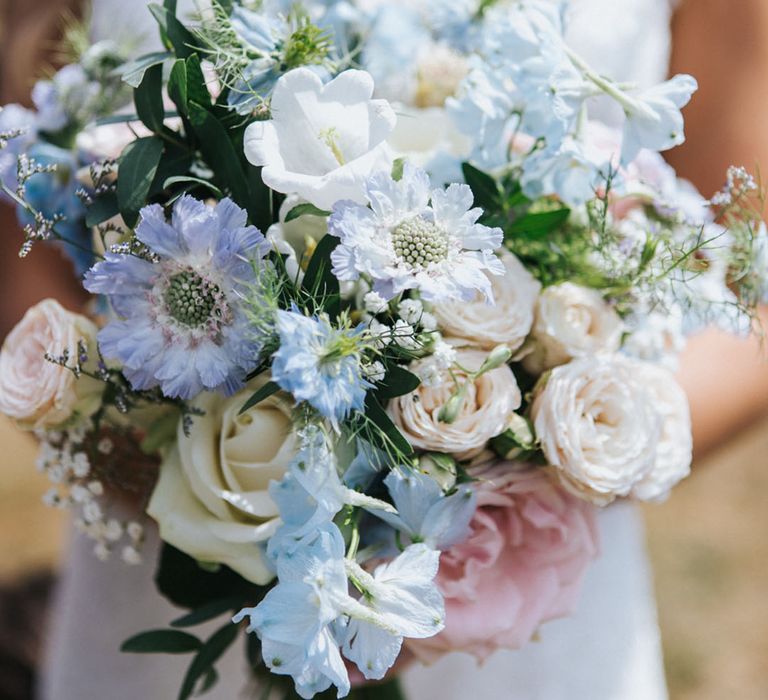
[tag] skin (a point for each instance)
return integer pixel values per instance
(726, 378)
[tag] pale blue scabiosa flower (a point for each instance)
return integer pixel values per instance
(320, 364)
(403, 601)
(403, 242)
(182, 324)
(299, 619)
(424, 513)
(654, 120)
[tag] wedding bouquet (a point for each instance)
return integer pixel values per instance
(382, 316)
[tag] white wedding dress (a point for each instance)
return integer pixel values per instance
(610, 649)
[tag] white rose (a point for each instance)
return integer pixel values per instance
(571, 321)
(484, 413)
(323, 141)
(508, 321)
(674, 450)
(212, 498)
(598, 425)
(38, 393)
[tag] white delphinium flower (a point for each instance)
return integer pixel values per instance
(374, 303)
(375, 372)
(323, 141)
(403, 242)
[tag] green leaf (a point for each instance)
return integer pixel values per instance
(148, 98)
(389, 690)
(133, 71)
(538, 224)
(161, 642)
(208, 655)
(161, 432)
(103, 208)
(210, 611)
(397, 169)
(220, 153)
(138, 165)
(182, 581)
(484, 188)
(177, 86)
(305, 210)
(170, 5)
(265, 392)
(319, 281)
(398, 382)
(179, 179)
(181, 39)
(176, 162)
(394, 438)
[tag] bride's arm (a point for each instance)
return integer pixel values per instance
(723, 44)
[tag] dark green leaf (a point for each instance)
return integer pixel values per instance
(210, 611)
(179, 179)
(265, 392)
(210, 679)
(148, 98)
(177, 86)
(219, 153)
(176, 162)
(162, 642)
(138, 165)
(197, 89)
(389, 690)
(394, 438)
(538, 224)
(182, 581)
(170, 5)
(398, 382)
(181, 39)
(104, 207)
(319, 280)
(125, 118)
(133, 71)
(305, 210)
(208, 655)
(484, 187)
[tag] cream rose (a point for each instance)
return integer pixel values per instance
(508, 321)
(38, 393)
(212, 498)
(488, 403)
(598, 425)
(674, 450)
(571, 321)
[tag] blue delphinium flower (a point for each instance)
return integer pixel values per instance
(182, 325)
(299, 619)
(424, 513)
(320, 364)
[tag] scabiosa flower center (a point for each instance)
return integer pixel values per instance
(419, 242)
(193, 300)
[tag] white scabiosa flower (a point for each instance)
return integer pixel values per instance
(414, 237)
(323, 141)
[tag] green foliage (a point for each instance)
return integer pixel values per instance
(305, 210)
(397, 382)
(133, 72)
(148, 98)
(161, 642)
(269, 389)
(320, 287)
(138, 165)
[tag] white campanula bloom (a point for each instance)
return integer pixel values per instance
(424, 513)
(412, 237)
(323, 141)
(320, 364)
(181, 322)
(655, 121)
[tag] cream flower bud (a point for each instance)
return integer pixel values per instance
(38, 393)
(571, 321)
(482, 413)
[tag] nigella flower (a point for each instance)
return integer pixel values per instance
(320, 364)
(403, 242)
(182, 325)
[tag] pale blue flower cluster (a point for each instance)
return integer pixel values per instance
(320, 364)
(310, 620)
(181, 324)
(526, 83)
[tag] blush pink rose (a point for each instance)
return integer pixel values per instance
(522, 565)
